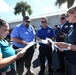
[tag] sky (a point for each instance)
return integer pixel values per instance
(39, 7)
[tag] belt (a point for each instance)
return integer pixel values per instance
(4, 73)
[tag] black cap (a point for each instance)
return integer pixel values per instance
(26, 18)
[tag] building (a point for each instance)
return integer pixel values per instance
(53, 19)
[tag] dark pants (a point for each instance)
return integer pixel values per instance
(61, 58)
(45, 52)
(70, 68)
(12, 72)
(25, 60)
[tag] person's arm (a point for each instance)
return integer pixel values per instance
(63, 35)
(38, 38)
(19, 41)
(4, 62)
(65, 45)
(15, 36)
(53, 38)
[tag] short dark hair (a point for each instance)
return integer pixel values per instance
(63, 14)
(2, 22)
(26, 18)
(45, 18)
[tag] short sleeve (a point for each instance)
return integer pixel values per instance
(15, 32)
(52, 33)
(0, 49)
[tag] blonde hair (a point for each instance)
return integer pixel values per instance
(72, 10)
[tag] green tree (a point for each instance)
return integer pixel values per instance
(69, 2)
(22, 7)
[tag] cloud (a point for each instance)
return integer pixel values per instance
(37, 1)
(4, 7)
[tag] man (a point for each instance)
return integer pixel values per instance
(45, 50)
(21, 36)
(61, 32)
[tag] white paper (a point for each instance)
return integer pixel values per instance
(55, 45)
(28, 46)
(43, 41)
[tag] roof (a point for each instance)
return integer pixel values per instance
(39, 16)
(49, 14)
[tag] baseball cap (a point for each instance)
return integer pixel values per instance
(26, 18)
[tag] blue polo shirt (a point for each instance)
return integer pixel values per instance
(23, 33)
(44, 33)
(6, 51)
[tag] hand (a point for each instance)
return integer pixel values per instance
(24, 43)
(63, 35)
(20, 55)
(48, 43)
(61, 50)
(18, 50)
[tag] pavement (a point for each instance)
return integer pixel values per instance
(35, 63)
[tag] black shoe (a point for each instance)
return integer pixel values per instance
(41, 73)
(60, 70)
(51, 71)
(50, 74)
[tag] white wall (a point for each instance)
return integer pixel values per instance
(53, 20)
(12, 25)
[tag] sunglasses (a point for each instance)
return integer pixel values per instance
(28, 21)
(62, 18)
(43, 21)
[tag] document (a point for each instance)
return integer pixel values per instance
(28, 46)
(33, 43)
(41, 41)
(64, 49)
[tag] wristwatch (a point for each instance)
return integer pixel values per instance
(69, 47)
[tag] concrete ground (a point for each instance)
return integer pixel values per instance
(35, 63)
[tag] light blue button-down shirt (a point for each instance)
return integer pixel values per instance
(23, 33)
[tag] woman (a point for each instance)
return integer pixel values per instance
(70, 54)
(7, 53)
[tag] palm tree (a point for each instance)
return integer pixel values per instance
(22, 7)
(69, 2)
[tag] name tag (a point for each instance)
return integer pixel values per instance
(66, 26)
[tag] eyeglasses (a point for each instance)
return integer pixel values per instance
(43, 22)
(62, 18)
